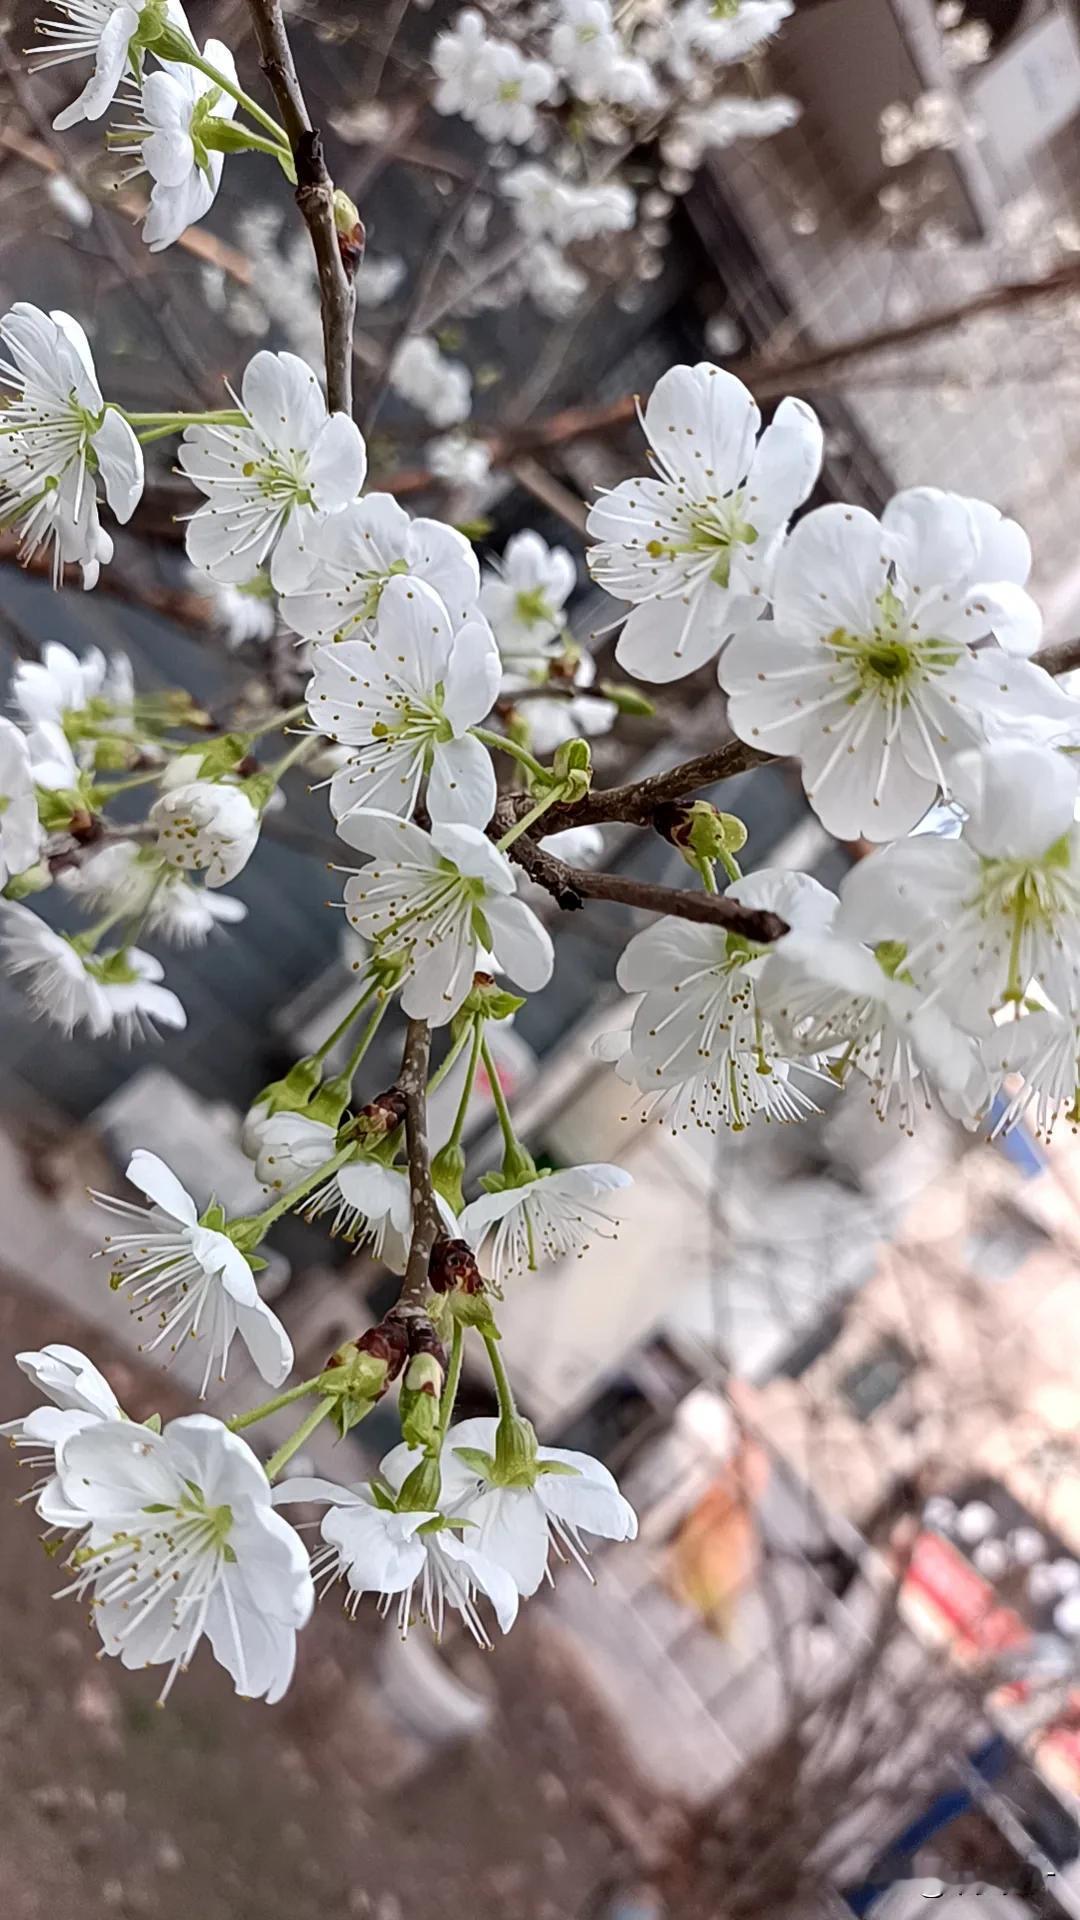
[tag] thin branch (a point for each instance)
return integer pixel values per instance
(438, 248)
(549, 491)
(315, 199)
(571, 886)
(636, 803)
(427, 1224)
(1062, 657)
(771, 378)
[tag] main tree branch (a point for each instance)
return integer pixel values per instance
(426, 1221)
(315, 199)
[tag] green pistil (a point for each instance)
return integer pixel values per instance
(531, 608)
(890, 956)
(111, 969)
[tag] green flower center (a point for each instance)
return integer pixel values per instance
(717, 529)
(894, 657)
(531, 607)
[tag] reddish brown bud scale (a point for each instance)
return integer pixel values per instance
(424, 1339)
(453, 1268)
(351, 247)
(674, 822)
(382, 1114)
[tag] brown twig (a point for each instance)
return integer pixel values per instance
(636, 803)
(570, 886)
(769, 379)
(438, 248)
(412, 1082)
(1062, 657)
(315, 199)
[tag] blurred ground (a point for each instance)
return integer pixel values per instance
(214, 1809)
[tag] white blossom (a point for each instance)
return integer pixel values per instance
(569, 715)
(464, 463)
(270, 483)
(827, 993)
(178, 1538)
(438, 387)
(588, 52)
(985, 916)
(102, 30)
(579, 846)
(524, 595)
(549, 1217)
(488, 81)
(518, 1527)
(20, 831)
(122, 874)
(726, 35)
(115, 992)
(700, 1048)
(868, 671)
(371, 1204)
(547, 206)
(191, 1279)
(291, 1146)
(63, 689)
(403, 703)
(412, 1557)
(78, 1395)
(441, 901)
(380, 279)
(173, 109)
(206, 826)
(696, 131)
(59, 437)
(359, 551)
(694, 548)
(70, 200)
(247, 611)
(552, 282)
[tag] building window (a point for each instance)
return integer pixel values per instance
(872, 1383)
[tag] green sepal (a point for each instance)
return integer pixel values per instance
(472, 1310)
(224, 755)
(56, 805)
(32, 880)
(477, 1461)
(447, 1174)
(627, 699)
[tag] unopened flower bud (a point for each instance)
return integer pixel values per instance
(358, 1374)
(447, 1174)
(351, 236)
(421, 1391)
(488, 999)
(453, 1268)
(701, 831)
(388, 1341)
(381, 1117)
(627, 699)
(571, 769)
(32, 880)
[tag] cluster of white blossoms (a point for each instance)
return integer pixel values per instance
(585, 83)
(890, 658)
